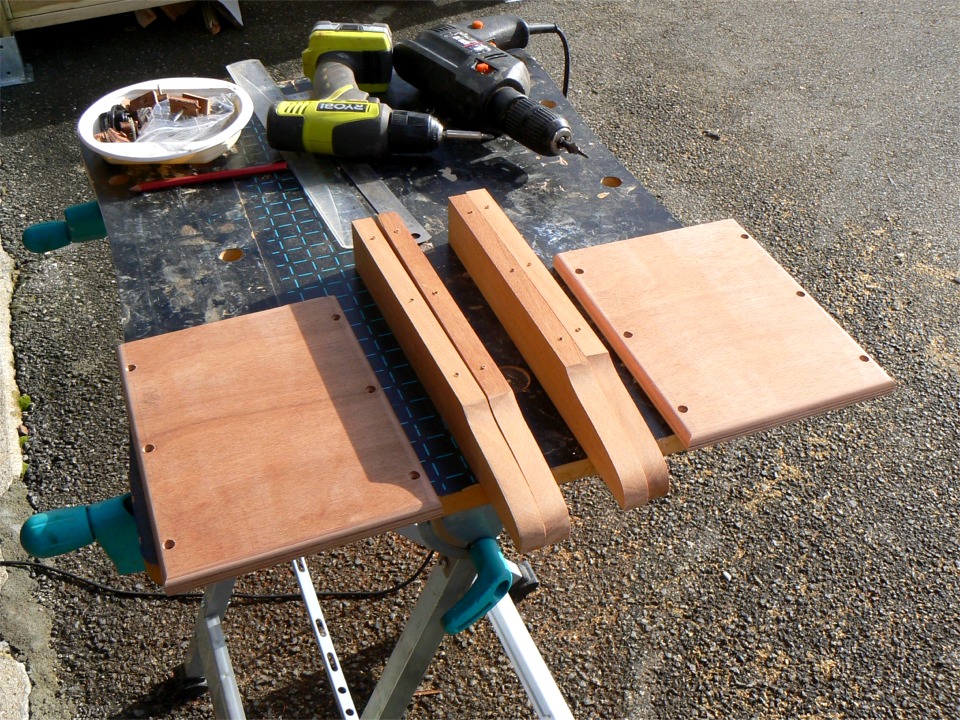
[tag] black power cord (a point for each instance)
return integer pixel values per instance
(554, 29)
(266, 597)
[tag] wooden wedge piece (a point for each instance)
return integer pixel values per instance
(585, 398)
(451, 386)
(534, 471)
(589, 343)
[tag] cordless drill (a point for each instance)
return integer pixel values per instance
(463, 68)
(346, 62)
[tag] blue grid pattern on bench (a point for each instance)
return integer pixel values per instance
(304, 262)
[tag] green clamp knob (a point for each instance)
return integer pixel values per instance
(83, 223)
(56, 532)
(493, 581)
(115, 529)
(109, 522)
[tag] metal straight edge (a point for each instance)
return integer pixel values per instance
(329, 194)
(335, 676)
(381, 197)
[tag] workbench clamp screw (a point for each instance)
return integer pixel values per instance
(82, 223)
(109, 522)
(493, 581)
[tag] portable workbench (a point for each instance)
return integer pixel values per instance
(190, 256)
(187, 257)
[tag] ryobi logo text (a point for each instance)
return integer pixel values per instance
(342, 106)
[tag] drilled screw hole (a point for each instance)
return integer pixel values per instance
(548, 103)
(231, 254)
(611, 181)
(628, 334)
(370, 389)
(579, 271)
(149, 448)
(414, 475)
(801, 293)
(131, 368)
(864, 358)
(169, 544)
(682, 408)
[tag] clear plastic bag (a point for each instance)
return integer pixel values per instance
(172, 130)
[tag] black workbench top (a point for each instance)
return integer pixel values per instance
(175, 252)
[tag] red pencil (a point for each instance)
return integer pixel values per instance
(209, 177)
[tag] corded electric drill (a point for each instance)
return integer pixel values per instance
(463, 68)
(347, 61)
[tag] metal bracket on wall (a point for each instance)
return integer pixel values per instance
(15, 71)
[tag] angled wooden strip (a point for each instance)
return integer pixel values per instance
(596, 353)
(721, 338)
(552, 354)
(450, 385)
(263, 438)
(534, 470)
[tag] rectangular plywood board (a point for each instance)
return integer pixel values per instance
(263, 438)
(720, 337)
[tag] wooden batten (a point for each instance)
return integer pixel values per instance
(533, 469)
(531, 518)
(553, 338)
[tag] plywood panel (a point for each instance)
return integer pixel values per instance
(262, 438)
(453, 389)
(720, 336)
(584, 397)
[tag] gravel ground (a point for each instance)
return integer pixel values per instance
(806, 572)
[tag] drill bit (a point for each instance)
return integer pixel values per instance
(571, 147)
(466, 135)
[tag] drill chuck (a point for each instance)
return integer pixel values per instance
(531, 124)
(465, 67)
(413, 132)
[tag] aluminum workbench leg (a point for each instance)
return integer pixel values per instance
(420, 639)
(526, 659)
(209, 657)
(328, 653)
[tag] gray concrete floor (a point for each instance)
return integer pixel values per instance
(810, 571)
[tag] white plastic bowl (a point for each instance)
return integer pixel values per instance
(135, 153)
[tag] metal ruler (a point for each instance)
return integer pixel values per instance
(334, 198)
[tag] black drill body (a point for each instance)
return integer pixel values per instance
(464, 69)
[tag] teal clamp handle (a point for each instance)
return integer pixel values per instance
(83, 223)
(109, 522)
(492, 583)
